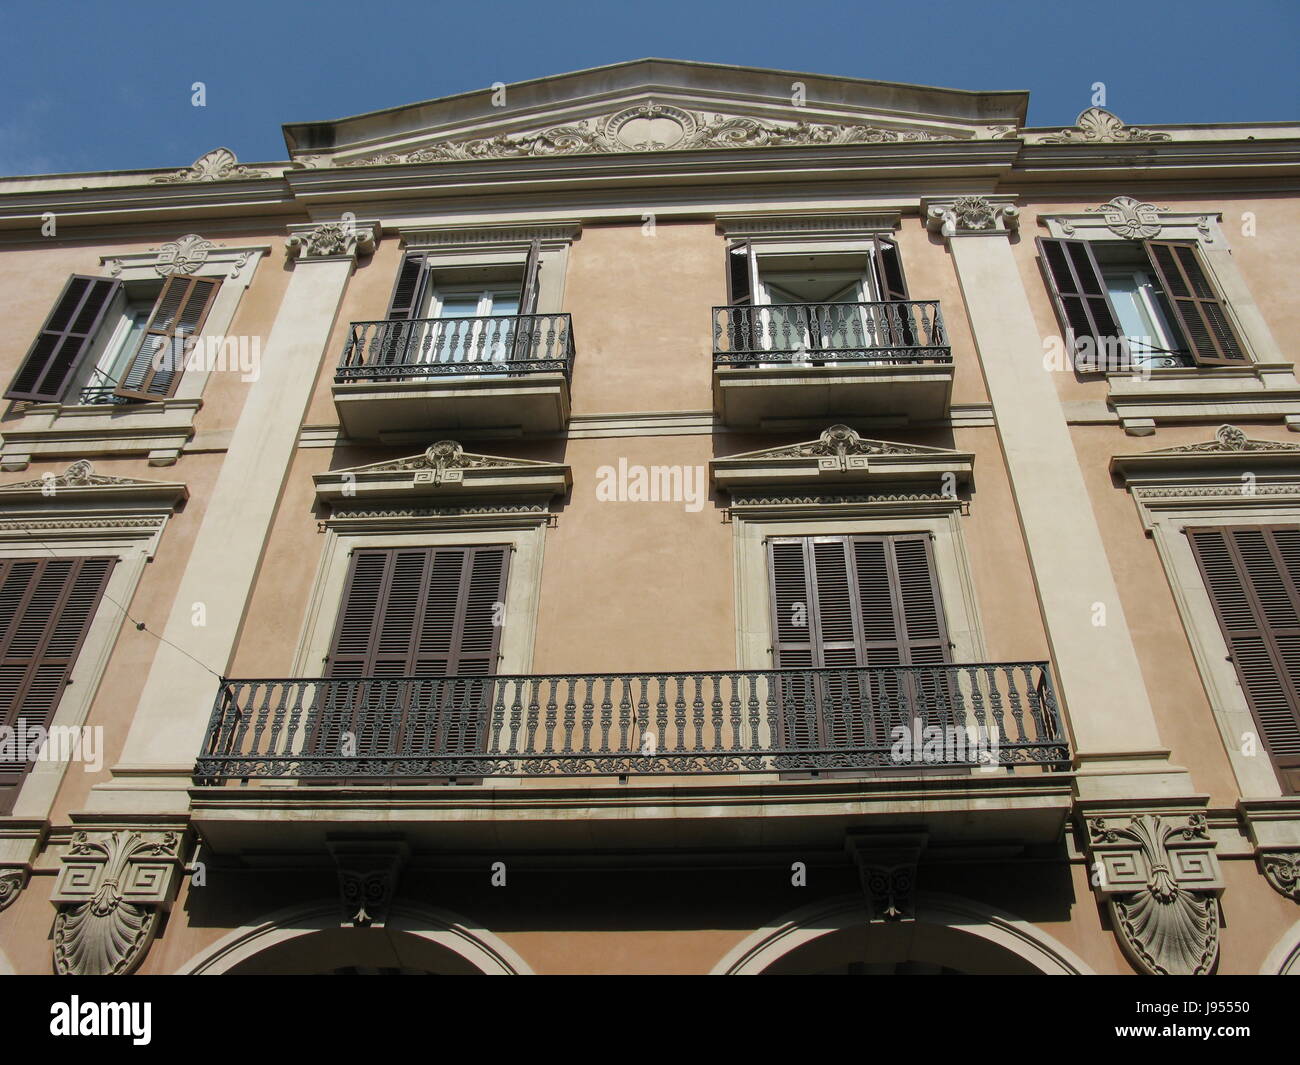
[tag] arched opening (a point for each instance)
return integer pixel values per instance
(950, 936)
(308, 940)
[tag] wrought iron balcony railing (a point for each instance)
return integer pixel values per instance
(409, 729)
(900, 331)
(435, 347)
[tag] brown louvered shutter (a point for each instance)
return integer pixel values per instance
(409, 288)
(64, 340)
(868, 601)
(888, 264)
(1252, 573)
(1079, 293)
(1201, 315)
(46, 607)
(410, 613)
(178, 316)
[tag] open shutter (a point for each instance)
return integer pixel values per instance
(64, 340)
(1253, 576)
(1200, 313)
(1079, 293)
(888, 265)
(532, 279)
(410, 288)
(178, 316)
(740, 273)
(46, 607)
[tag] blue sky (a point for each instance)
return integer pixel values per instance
(106, 86)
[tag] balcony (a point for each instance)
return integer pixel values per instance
(400, 381)
(783, 365)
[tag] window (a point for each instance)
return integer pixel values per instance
(847, 602)
(1252, 574)
(106, 341)
(410, 614)
(46, 607)
(810, 303)
(1138, 304)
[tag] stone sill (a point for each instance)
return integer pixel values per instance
(53, 431)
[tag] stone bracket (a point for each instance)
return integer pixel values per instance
(368, 870)
(1282, 870)
(887, 864)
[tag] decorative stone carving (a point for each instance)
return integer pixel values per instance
(368, 872)
(81, 474)
(1229, 439)
(11, 884)
(332, 239)
(971, 214)
(219, 164)
(1130, 218)
(183, 256)
(110, 892)
(1282, 871)
(651, 127)
(1096, 125)
(1160, 879)
(887, 868)
(841, 441)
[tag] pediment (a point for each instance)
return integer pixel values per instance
(841, 457)
(1229, 453)
(652, 106)
(445, 471)
(80, 485)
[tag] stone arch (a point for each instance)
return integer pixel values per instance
(976, 930)
(419, 935)
(1284, 959)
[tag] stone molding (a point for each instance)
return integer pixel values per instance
(219, 164)
(1096, 125)
(1194, 469)
(970, 216)
(112, 887)
(1132, 219)
(343, 239)
(1160, 880)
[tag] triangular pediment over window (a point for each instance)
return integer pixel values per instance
(445, 470)
(1230, 453)
(79, 484)
(655, 105)
(841, 459)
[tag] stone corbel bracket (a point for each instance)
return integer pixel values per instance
(1160, 879)
(1282, 870)
(345, 238)
(966, 216)
(112, 889)
(368, 871)
(887, 864)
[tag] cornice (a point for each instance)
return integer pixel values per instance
(1228, 454)
(79, 486)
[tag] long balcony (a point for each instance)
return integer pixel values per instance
(414, 730)
(401, 380)
(779, 365)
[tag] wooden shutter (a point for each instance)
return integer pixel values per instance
(888, 266)
(410, 288)
(64, 340)
(1252, 573)
(740, 273)
(1079, 294)
(46, 607)
(178, 316)
(1200, 313)
(532, 279)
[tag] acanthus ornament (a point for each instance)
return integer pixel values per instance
(109, 894)
(1282, 871)
(1130, 218)
(651, 127)
(1160, 880)
(183, 256)
(1227, 439)
(11, 884)
(81, 474)
(332, 240)
(971, 214)
(1096, 125)
(219, 164)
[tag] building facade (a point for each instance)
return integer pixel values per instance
(666, 518)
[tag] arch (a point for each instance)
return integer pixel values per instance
(1284, 959)
(995, 929)
(476, 946)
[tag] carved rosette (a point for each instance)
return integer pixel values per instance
(332, 240)
(1282, 871)
(887, 869)
(110, 893)
(967, 215)
(219, 164)
(11, 885)
(1161, 881)
(1096, 125)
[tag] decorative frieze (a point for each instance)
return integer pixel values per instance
(110, 893)
(219, 164)
(1161, 881)
(971, 215)
(887, 868)
(1096, 125)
